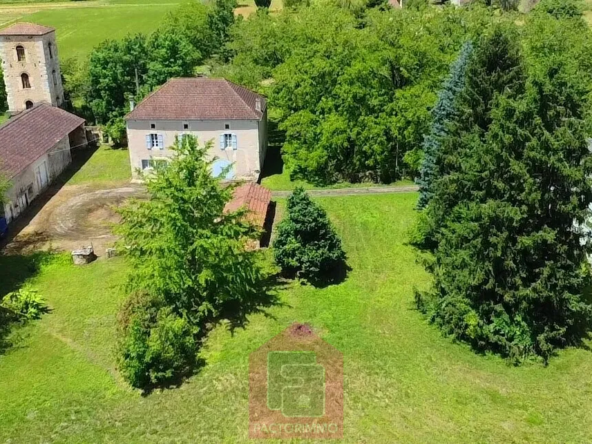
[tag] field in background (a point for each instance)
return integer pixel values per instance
(404, 382)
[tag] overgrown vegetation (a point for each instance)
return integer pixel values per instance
(511, 186)
(189, 266)
(307, 245)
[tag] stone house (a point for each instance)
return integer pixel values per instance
(232, 117)
(34, 149)
(31, 66)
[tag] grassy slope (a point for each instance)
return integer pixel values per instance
(404, 382)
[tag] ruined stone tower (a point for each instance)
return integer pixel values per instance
(31, 67)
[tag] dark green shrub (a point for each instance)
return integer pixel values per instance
(26, 303)
(156, 345)
(307, 245)
(294, 4)
(561, 9)
(263, 3)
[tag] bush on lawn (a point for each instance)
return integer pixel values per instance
(307, 245)
(26, 303)
(156, 345)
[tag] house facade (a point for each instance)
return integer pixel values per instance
(232, 118)
(34, 150)
(31, 66)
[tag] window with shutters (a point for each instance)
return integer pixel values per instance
(227, 141)
(155, 141)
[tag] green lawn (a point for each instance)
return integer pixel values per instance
(404, 382)
(105, 165)
(81, 26)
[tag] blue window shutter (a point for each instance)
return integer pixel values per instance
(149, 141)
(161, 141)
(234, 142)
(222, 140)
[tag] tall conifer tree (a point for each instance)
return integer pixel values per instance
(443, 112)
(509, 262)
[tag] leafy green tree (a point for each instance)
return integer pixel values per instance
(3, 98)
(171, 55)
(113, 68)
(508, 259)
(444, 111)
(183, 246)
(4, 186)
(191, 20)
(561, 9)
(155, 345)
(307, 244)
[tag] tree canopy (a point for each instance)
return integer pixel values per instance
(187, 257)
(513, 187)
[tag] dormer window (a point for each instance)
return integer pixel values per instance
(20, 54)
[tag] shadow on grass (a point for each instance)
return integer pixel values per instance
(234, 315)
(336, 275)
(15, 270)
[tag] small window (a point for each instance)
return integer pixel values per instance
(227, 126)
(28, 104)
(55, 77)
(50, 49)
(20, 54)
(185, 126)
(153, 126)
(25, 81)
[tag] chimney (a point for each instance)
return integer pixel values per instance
(132, 104)
(258, 104)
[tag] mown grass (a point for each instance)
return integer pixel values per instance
(80, 26)
(404, 382)
(105, 165)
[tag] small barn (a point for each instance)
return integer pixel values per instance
(257, 201)
(34, 149)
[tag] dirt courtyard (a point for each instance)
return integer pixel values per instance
(69, 218)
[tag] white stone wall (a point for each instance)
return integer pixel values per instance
(45, 86)
(247, 158)
(26, 182)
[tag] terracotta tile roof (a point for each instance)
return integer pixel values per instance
(254, 198)
(199, 98)
(32, 133)
(26, 29)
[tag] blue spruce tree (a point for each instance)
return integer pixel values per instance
(443, 112)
